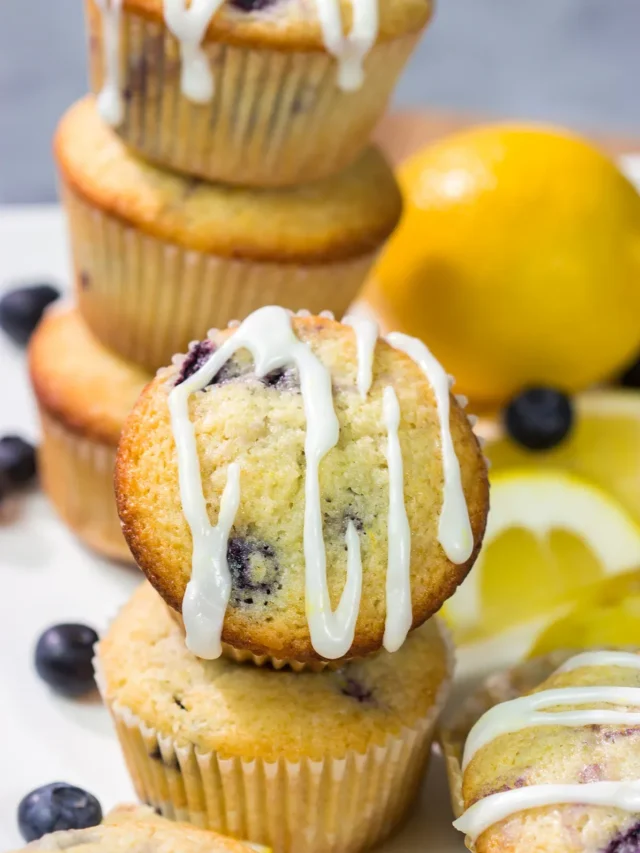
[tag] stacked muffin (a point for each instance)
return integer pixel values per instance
(222, 164)
(302, 497)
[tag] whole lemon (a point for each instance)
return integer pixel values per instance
(517, 260)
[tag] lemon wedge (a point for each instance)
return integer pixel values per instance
(551, 537)
(604, 446)
(610, 618)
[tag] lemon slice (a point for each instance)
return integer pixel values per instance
(604, 446)
(611, 618)
(550, 538)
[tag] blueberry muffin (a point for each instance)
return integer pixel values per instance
(159, 257)
(252, 92)
(552, 767)
(84, 394)
(223, 477)
(138, 829)
(320, 762)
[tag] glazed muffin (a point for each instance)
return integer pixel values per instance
(297, 507)
(138, 829)
(298, 761)
(255, 97)
(159, 257)
(84, 394)
(555, 769)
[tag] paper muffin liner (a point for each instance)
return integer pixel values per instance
(321, 804)
(277, 117)
(147, 299)
(501, 687)
(77, 475)
(246, 656)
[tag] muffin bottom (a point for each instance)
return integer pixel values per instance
(77, 476)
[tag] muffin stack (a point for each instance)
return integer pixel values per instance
(222, 164)
(302, 497)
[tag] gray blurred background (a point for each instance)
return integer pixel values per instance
(570, 61)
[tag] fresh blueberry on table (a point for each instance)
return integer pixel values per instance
(64, 658)
(22, 308)
(54, 807)
(539, 418)
(17, 461)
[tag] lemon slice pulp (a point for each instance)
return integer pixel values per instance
(550, 538)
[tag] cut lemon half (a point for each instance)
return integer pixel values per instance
(611, 618)
(604, 446)
(550, 537)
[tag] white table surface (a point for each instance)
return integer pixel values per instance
(47, 577)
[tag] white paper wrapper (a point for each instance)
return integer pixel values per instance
(77, 475)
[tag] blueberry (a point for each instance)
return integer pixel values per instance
(197, 356)
(64, 658)
(22, 308)
(254, 570)
(282, 379)
(539, 418)
(626, 842)
(54, 807)
(356, 690)
(251, 5)
(17, 461)
(631, 377)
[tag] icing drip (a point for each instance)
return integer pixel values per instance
(207, 594)
(189, 25)
(366, 332)
(399, 614)
(109, 101)
(491, 810)
(267, 334)
(454, 527)
(523, 712)
(349, 50)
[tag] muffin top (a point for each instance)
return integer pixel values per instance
(138, 829)
(249, 711)
(292, 24)
(322, 471)
(345, 216)
(543, 772)
(79, 382)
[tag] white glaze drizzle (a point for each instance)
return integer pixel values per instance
(366, 332)
(109, 102)
(189, 25)
(523, 712)
(629, 660)
(268, 335)
(454, 527)
(399, 612)
(207, 594)
(349, 50)
(496, 807)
